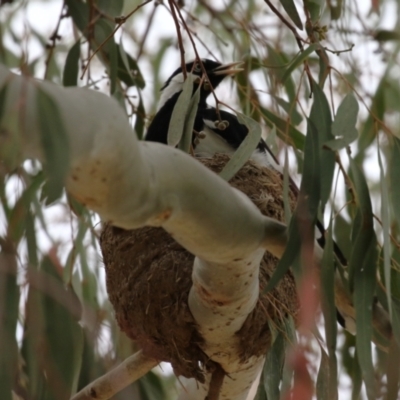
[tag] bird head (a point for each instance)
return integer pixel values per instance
(209, 75)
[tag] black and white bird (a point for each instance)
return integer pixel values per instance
(213, 137)
(215, 131)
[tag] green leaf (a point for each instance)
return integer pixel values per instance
(320, 116)
(55, 144)
(63, 334)
(362, 276)
(393, 371)
(290, 108)
(79, 12)
(111, 8)
(244, 151)
(396, 319)
(150, 387)
(273, 367)
(324, 386)
(277, 62)
(385, 35)
(364, 288)
(314, 9)
(306, 209)
(128, 69)
(186, 140)
(310, 192)
(286, 132)
(291, 10)
(17, 219)
(336, 9)
(108, 52)
(329, 364)
(385, 207)
(394, 173)
(9, 303)
(140, 118)
(290, 254)
(344, 125)
(299, 59)
(71, 68)
(180, 112)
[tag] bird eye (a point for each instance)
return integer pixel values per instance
(197, 67)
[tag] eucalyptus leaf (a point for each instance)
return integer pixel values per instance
(71, 68)
(385, 206)
(394, 174)
(272, 373)
(321, 118)
(291, 10)
(286, 131)
(344, 124)
(186, 140)
(55, 144)
(245, 150)
(180, 112)
(299, 59)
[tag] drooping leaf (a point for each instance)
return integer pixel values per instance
(128, 69)
(393, 371)
(336, 9)
(17, 219)
(110, 8)
(286, 132)
(63, 335)
(310, 187)
(9, 304)
(277, 63)
(290, 108)
(291, 10)
(140, 118)
(71, 68)
(55, 144)
(180, 112)
(324, 388)
(320, 116)
(299, 59)
(394, 173)
(385, 35)
(186, 140)
(244, 151)
(344, 124)
(385, 206)
(79, 12)
(362, 266)
(107, 49)
(306, 209)
(329, 362)
(273, 367)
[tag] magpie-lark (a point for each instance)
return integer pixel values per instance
(218, 131)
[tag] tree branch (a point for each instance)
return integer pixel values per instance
(103, 388)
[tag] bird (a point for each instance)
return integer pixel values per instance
(215, 131)
(218, 131)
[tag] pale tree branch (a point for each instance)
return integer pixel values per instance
(133, 184)
(130, 370)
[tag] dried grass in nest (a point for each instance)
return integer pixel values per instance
(149, 278)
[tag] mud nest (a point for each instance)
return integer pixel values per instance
(149, 278)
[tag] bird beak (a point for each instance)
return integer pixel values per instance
(228, 69)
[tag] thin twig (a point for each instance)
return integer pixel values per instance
(172, 6)
(298, 38)
(54, 37)
(120, 21)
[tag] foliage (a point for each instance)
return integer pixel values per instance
(322, 76)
